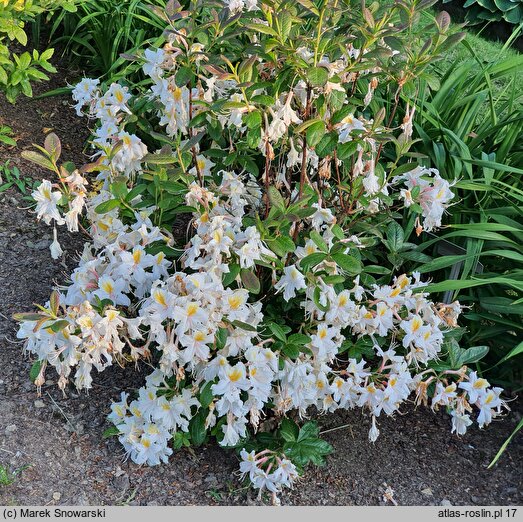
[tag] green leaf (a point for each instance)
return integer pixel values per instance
(221, 338)
(261, 28)
(299, 339)
(206, 395)
(474, 354)
(277, 331)
(276, 199)
(395, 236)
(112, 431)
(470, 283)
(20, 35)
(34, 372)
(505, 444)
(281, 245)
(28, 317)
(34, 157)
(250, 280)
(317, 76)
(319, 241)
(197, 428)
(312, 260)
(252, 119)
(230, 276)
(57, 326)
(119, 189)
(459, 356)
(244, 326)
(291, 350)
(183, 76)
(308, 447)
(315, 133)
(107, 206)
(348, 263)
(289, 430)
(309, 430)
(327, 144)
(159, 159)
(53, 146)
(517, 350)
(346, 150)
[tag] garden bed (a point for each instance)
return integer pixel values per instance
(51, 446)
(58, 439)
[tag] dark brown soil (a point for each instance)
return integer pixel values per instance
(56, 442)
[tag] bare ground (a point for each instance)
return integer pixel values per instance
(56, 444)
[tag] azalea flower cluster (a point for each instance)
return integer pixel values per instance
(109, 109)
(477, 392)
(145, 433)
(48, 202)
(267, 470)
(433, 194)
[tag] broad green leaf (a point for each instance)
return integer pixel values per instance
(37, 158)
(197, 428)
(276, 198)
(277, 331)
(34, 372)
(289, 430)
(317, 76)
(112, 431)
(348, 263)
(206, 395)
(250, 280)
(244, 326)
(312, 260)
(107, 206)
(319, 241)
(315, 133)
(229, 277)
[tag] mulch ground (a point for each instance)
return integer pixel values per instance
(55, 441)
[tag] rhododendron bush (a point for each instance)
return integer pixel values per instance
(274, 131)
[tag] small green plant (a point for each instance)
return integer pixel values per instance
(6, 136)
(11, 176)
(8, 477)
(18, 71)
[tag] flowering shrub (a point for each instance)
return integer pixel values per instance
(270, 126)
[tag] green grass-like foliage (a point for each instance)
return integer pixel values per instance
(470, 127)
(100, 31)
